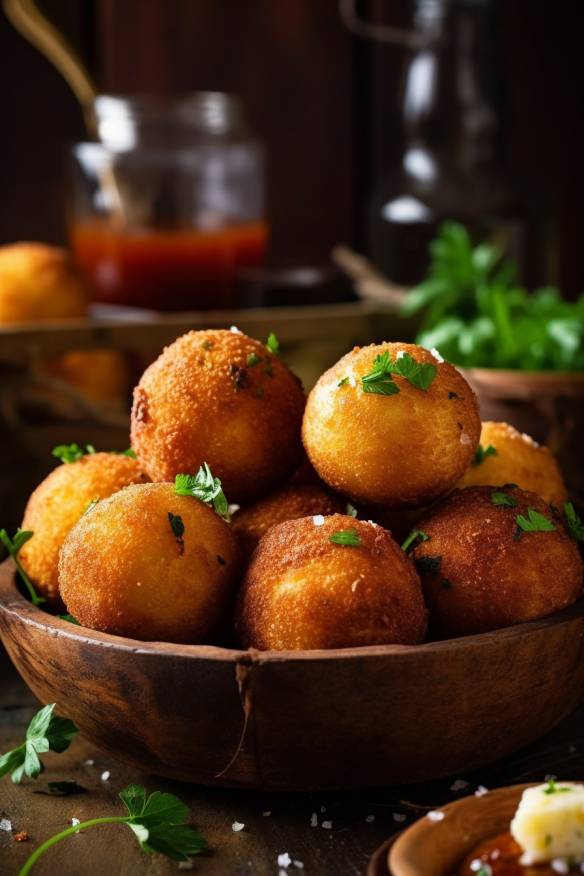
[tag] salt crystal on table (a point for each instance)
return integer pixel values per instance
(235, 331)
(436, 355)
(284, 860)
(314, 820)
(459, 785)
(105, 777)
(436, 815)
(481, 791)
(327, 825)
(237, 826)
(370, 818)
(5, 824)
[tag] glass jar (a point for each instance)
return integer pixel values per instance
(169, 205)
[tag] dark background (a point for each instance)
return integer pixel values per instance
(325, 103)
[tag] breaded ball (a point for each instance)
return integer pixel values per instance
(304, 591)
(398, 450)
(219, 397)
(101, 375)
(290, 502)
(518, 460)
(151, 565)
(482, 570)
(57, 504)
(38, 283)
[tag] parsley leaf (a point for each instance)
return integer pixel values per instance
(205, 487)
(157, 821)
(574, 522)
(379, 384)
(552, 788)
(503, 500)
(343, 382)
(534, 522)
(346, 538)
(129, 452)
(46, 732)
(380, 379)
(13, 546)
(70, 619)
(72, 452)
(273, 344)
(419, 374)
(414, 535)
(481, 453)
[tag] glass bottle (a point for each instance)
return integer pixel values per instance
(452, 163)
(169, 205)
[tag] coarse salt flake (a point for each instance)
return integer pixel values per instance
(318, 520)
(481, 791)
(5, 824)
(105, 776)
(233, 509)
(234, 330)
(237, 826)
(436, 815)
(284, 860)
(437, 355)
(327, 825)
(459, 785)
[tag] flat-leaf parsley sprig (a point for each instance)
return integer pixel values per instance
(380, 378)
(68, 453)
(346, 538)
(46, 732)
(205, 487)
(156, 820)
(533, 522)
(574, 522)
(415, 535)
(13, 546)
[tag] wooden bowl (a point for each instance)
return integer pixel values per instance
(438, 848)
(301, 720)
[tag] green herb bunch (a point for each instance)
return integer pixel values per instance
(476, 314)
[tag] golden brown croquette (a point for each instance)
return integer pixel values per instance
(38, 283)
(222, 398)
(149, 564)
(515, 458)
(302, 590)
(395, 450)
(481, 570)
(290, 502)
(57, 504)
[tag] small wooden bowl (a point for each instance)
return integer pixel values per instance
(301, 720)
(438, 848)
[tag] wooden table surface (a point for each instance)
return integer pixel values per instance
(342, 850)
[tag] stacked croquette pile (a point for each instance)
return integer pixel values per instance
(390, 436)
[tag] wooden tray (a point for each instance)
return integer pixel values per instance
(302, 720)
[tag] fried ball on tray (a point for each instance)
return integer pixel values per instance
(38, 283)
(506, 456)
(57, 504)
(494, 556)
(329, 582)
(290, 502)
(222, 398)
(150, 564)
(383, 438)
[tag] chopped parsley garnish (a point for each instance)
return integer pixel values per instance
(343, 382)
(13, 546)
(419, 374)
(534, 522)
(346, 538)
(428, 564)
(178, 529)
(350, 510)
(415, 535)
(379, 384)
(205, 487)
(46, 732)
(503, 500)
(273, 344)
(70, 619)
(380, 379)
(157, 821)
(574, 522)
(252, 360)
(481, 453)
(552, 788)
(72, 452)
(129, 452)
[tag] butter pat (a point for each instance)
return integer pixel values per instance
(549, 823)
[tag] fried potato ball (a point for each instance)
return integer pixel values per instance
(219, 397)
(304, 591)
(399, 449)
(58, 503)
(517, 459)
(101, 375)
(290, 502)
(38, 283)
(151, 565)
(482, 570)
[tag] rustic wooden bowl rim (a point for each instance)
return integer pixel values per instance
(14, 603)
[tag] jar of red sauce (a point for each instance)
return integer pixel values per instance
(169, 206)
